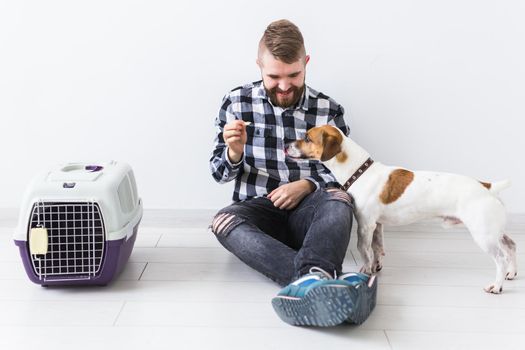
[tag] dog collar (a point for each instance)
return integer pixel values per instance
(357, 174)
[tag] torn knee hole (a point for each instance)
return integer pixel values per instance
(217, 220)
(339, 195)
(223, 223)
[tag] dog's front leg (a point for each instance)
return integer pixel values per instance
(365, 234)
(378, 248)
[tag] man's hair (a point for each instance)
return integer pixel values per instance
(284, 41)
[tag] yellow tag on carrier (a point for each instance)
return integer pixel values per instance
(38, 240)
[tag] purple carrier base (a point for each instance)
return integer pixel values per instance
(115, 258)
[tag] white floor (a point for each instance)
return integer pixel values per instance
(182, 290)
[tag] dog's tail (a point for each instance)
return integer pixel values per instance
(497, 187)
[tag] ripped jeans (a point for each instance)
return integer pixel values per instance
(284, 244)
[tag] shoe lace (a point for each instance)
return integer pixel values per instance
(316, 269)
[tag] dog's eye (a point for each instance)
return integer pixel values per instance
(306, 139)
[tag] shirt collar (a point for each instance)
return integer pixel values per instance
(305, 99)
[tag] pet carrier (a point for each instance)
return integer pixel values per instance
(78, 223)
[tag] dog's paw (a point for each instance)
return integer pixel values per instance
(366, 270)
(493, 289)
(511, 275)
(378, 266)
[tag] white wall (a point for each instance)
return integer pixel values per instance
(427, 84)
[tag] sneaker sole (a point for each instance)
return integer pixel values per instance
(364, 304)
(323, 306)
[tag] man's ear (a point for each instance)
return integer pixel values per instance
(306, 59)
(331, 146)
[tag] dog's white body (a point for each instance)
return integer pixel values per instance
(430, 194)
(454, 198)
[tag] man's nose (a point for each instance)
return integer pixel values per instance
(284, 85)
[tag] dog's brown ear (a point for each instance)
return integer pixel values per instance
(331, 145)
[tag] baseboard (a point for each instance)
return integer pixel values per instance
(182, 217)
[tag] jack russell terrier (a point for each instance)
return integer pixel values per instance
(387, 195)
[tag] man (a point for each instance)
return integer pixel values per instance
(289, 220)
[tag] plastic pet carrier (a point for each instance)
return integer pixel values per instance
(78, 224)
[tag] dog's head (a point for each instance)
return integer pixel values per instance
(321, 143)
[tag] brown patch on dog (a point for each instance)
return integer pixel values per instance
(487, 185)
(397, 182)
(341, 157)
(332, 140)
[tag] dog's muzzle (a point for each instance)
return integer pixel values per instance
(292, 151)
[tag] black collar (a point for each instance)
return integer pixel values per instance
(357, 174)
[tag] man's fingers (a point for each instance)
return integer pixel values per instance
(280, 202)
(232, 127)
(230, 133)
(236, 125)
(288, 204)
(285, 206)
(275, 193)
(233, 139)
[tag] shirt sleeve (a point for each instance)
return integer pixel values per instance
(338, 120)
(323, 178)
(222, 169)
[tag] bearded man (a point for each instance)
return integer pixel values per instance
(289, 219)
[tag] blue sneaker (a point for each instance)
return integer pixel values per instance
(354, 278)
(364, 295)
(316, 299)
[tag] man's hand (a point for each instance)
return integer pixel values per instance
(288, 196)
(234, 135)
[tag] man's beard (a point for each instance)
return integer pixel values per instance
(294, 94)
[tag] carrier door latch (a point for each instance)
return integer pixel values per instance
(38, 241)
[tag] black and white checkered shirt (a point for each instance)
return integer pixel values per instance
(264, 165)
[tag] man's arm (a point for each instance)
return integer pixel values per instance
(229, 143)
(322, 179)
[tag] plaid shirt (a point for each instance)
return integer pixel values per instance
(264, 165)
